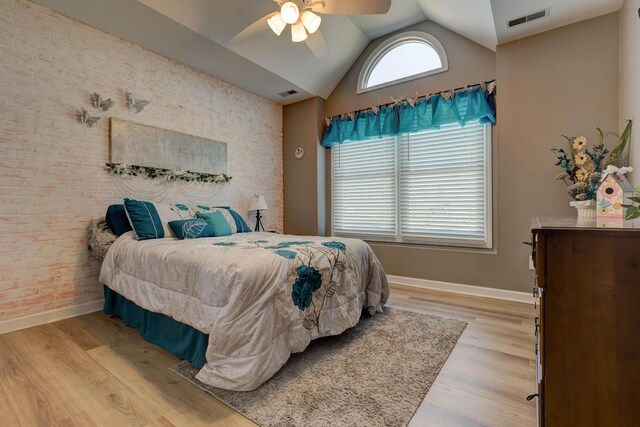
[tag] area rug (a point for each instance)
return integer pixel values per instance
(375, 374)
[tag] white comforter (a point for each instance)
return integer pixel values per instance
(260, 296)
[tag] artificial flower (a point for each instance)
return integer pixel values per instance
(579, 142)
(578, 187)
(595, 177)
(582, 175)
(581, 159)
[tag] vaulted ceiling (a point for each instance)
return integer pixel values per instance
(198, 33)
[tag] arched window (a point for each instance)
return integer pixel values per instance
(403, 57)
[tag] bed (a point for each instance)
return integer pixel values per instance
(256, 297)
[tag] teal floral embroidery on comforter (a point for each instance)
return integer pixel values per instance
(310, 289)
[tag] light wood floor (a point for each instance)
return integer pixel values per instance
(92, 370)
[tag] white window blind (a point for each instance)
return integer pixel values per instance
(443, 185)
(364, 187)
(429, 187)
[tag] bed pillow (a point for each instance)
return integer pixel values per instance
(218, 222)
(117, 220)
(241, 224)
(191, 228)
(144, 219)
(172, 212)
(227, 215)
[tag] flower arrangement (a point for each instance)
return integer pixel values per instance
(582, 168)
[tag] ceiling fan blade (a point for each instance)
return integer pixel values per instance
(351, 7)
(317, 44)
(253, 30)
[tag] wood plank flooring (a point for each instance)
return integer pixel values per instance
(93, 370)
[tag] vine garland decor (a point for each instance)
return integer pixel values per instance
(168, 174)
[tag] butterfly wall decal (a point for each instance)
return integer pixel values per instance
(98, 102)
(133, 104)
(84, 117)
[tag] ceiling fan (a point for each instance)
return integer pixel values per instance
(305, 23)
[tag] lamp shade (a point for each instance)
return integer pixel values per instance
(298, 33)
(311, 21)
(277, 23)
(258, 204)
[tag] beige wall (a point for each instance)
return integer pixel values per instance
(630, 78)
(52, 180)
(560, 82)
(468, 63)
(304, 179)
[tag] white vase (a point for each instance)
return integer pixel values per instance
(586, 209)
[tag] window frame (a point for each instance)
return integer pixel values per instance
(398, 239)
(390, 44)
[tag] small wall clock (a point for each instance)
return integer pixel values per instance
(299, 153)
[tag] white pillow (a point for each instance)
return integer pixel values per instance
(172, 212)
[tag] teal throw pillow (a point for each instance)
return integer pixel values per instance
(144, 219)
(217, 220)
(191, 228)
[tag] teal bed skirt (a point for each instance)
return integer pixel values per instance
(181, 340)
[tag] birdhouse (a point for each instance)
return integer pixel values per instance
(611, 195)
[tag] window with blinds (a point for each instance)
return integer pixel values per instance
(364, 188)
(430, 187)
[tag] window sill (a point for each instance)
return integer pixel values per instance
(432, 247)
(444, 246)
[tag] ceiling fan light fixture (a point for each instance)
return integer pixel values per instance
(298, 33)
(311, 21)
(290, 12)
(277, 23)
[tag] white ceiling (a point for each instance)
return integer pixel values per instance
(197, 33)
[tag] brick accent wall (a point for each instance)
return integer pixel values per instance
(51, 177)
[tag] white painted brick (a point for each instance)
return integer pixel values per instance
(51, 168)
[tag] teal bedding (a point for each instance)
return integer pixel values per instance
(181, 340)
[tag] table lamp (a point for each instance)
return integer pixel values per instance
(258, 204)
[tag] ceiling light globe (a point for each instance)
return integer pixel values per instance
(277, 23)
(298, 33)
(311, 21)
(290, 12)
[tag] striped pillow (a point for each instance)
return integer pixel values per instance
(144, 219)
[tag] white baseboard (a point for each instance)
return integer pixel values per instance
(463, 289)
(31, 320)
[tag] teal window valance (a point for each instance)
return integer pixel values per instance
(427, 113)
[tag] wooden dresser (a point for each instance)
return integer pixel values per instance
(588, 329)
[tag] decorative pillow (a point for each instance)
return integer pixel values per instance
(100, 237)
(218, 221)
(191, 228)
(172, 212)
(227, 215)
(117, 220)
(144, 219)
(241, 224)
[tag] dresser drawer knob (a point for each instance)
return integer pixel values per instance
(531, 397)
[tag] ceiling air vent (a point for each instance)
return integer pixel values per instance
(528, 18)
(288, 93)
